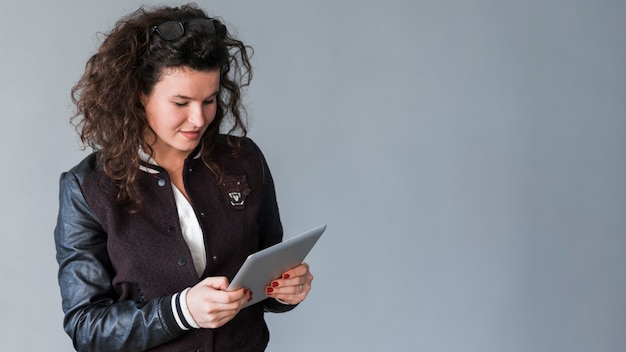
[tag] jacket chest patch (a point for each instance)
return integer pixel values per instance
(235, 189)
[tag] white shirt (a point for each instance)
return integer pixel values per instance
(192, 233)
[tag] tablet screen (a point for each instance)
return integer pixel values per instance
(262, 267)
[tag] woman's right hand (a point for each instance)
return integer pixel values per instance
(211, 305)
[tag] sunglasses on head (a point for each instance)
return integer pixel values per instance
(172, 30)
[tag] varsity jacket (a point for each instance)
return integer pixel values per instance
(121, 273)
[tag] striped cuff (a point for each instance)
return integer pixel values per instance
(182, 315)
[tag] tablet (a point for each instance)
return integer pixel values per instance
(262, 267)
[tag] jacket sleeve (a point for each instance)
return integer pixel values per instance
(94, 319)
(270, 227)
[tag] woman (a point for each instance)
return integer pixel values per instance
(155, 222)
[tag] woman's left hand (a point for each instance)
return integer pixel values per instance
(293, 286)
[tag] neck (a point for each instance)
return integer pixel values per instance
(171, 163)
(175, 169)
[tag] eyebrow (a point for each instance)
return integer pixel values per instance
(180, 96)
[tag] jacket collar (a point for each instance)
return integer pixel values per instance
(150, 165)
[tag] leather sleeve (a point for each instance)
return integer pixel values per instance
(270, 226)
(94, 319)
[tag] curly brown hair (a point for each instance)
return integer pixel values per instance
(130, 61)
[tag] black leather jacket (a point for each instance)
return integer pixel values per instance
(118, 271)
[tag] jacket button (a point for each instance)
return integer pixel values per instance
(200, 350)
(171, 228)
(182, 261)
(214, 258)
(161, 182)
(201, 214)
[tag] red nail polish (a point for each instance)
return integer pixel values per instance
(269, 290)
(285, 276)
(274, 284)
(245, 291)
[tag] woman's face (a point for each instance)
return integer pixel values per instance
(179, 109)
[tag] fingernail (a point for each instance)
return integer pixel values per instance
(274, 284)
(269, 290)
(285, 276)
(250, 299)
(245, 291)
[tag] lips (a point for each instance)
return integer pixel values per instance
(191, 134)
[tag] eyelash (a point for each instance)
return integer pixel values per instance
(207, 102)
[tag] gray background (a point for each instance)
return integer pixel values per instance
(469, 158)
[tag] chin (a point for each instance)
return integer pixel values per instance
(189, 147)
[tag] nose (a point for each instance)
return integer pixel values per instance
(196, 115)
